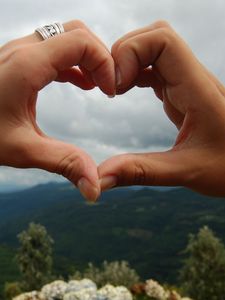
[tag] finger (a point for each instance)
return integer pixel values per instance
(76, 77)
(61, 158)
(81, 49)
(155, 169)
(36, 37)
(75, 24)
(166, 52)
(146, 29)
(155, 25)
(149, 78)
(146, 78)
(170, 41)
(104, 76)
(160, 48)
(87, 74)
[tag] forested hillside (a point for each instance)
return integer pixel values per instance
(146, 227)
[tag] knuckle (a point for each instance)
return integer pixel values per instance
(167, 35)
(161, 24)
(82, 34)
(105, 60)
(71, 166)
(139, 174)
(116, 45)
(124, 47)
(135, 171)
(143, 173)
(78, 24)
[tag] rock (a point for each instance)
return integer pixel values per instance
(115, 293)
(84, 289)
(155, 290)
(86, 294)
(34, 295)
(84, 284)
(54, 290)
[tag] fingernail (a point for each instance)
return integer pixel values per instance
(108, 182)
(118, 77)
(88, 191)
(111, 96)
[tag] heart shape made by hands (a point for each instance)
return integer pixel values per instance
(154, 56)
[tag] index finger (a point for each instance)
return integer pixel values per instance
(36, 37)
(77, 47)
(156, 45)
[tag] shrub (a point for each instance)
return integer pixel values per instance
(115, 273)
(12, 289)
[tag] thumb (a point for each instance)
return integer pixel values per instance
(155, 169)
(67, 160)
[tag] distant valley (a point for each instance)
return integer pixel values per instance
(147, 227)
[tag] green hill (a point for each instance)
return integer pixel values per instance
(149, 228)
(8, 268)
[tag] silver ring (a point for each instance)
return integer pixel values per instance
(50, 30)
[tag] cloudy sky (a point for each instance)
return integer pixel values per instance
(133, 122)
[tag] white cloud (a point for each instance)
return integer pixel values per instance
(132, 122)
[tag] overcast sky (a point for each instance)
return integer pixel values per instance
(134, 122)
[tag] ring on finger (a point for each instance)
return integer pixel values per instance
(51, 30)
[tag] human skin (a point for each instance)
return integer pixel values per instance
(26, 66)
(193, 99)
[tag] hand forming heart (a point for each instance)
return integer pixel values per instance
(155, 57)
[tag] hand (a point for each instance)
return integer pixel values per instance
(26, 66)
(193, 99)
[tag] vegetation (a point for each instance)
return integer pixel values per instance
(12, 289)
(35, 257)
(141, 226)
(9, 270)
(115, 273)
(203, 275)
(147, 228)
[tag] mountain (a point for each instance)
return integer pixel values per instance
(147, 227)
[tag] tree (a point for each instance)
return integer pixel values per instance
(35, 256)
(203, 274)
